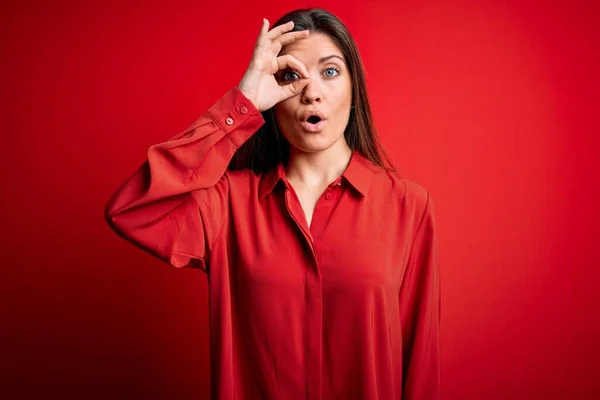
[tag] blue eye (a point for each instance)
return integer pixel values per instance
(332, 72)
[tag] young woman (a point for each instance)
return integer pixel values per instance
(321, 259)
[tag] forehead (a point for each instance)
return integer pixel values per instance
(311, 48)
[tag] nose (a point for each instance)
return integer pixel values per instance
(311, 93)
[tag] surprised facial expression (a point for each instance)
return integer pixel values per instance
(316, 118)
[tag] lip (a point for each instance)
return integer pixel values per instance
(310, 113)
(318, 127)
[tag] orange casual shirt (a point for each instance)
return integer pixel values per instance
(346, 308)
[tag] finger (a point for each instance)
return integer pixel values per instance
(279, 30)
(261, 40)
(294, 88)
(290, 61)
(289, 37)
(265, 27)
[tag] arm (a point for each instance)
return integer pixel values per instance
(420, 314)
(175, 203)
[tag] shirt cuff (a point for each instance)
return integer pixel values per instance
(233, 110)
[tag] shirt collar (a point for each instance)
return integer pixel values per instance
(358, 173)
(270, 179)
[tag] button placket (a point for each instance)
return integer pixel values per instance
(331, 188)
(295, 211)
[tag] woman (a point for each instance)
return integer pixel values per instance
(321, 259)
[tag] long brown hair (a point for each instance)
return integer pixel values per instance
(267, 147)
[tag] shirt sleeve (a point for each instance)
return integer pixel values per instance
(420, 314)
(175, 204)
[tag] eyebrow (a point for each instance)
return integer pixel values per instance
(323, 59)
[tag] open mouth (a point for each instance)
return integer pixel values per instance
(314, 123)
(313, 119)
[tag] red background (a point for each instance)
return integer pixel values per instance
(492, 106)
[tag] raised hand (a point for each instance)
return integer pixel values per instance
(259, 84)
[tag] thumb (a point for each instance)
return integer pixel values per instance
(295, 87)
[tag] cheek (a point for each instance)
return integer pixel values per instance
(342, 104)
(343, 96)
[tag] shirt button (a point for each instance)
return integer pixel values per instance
(243, 109)
(229, 121)
(328, 195)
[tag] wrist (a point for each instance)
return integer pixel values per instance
(248, 95)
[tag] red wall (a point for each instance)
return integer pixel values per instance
(492, 107)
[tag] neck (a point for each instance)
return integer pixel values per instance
(319, 168)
